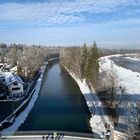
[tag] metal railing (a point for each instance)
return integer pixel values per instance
(52, 134)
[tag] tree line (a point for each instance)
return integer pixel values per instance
(28, 59)
(82, 61)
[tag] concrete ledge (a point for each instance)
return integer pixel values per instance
(45, 137)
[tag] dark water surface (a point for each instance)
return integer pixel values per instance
(60, 105)
(127, 63)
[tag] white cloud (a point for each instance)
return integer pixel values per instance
(59, 12)
(38, 15)
(102, 33)
(120, 22)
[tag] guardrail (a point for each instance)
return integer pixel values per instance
(52, 133)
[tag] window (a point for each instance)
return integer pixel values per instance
(17, 88)
(3, 80)
(15, 84)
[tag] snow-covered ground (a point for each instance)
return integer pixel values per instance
(128, 79)
(97, 121)
(133, 58)
(22, 116)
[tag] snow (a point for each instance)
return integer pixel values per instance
(14, 70)
(97, 122)
(10, 78)
(51, 59)
(128, 78)
(22, 116)
(131, 81)
(133, 58)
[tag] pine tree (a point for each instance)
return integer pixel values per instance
(92, 65)
(84, 60)
(95, 61)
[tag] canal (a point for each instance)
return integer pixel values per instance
(60, 105)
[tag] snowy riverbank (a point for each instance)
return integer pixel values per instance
(24, 114)
(133, 58)
(128, 78)
(19, 120)
(97, 121)
(131, 81)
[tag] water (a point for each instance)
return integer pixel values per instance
(60, 105)
(127, 63)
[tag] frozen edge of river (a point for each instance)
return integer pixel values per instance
(128, 79)
(125, 75)
(24, 114)
(96, 121)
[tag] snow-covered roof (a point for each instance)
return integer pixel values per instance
(1, 64)
(8, 66)
(11, 78)
(14, 68)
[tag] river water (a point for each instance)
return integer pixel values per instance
(60, 105)
(133, 65)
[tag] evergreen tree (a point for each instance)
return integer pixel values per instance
(84, 60)
(95, 61)
(92, 66)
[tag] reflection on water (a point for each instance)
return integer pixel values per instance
(60, 105)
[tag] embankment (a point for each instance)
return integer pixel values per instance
(24, 109)
(98, 117)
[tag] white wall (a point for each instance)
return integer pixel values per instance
(16, 92)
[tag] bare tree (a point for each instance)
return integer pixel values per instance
(71, 58)
(110, 84)
(13, 55)
(31, 60)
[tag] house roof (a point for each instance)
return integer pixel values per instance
(11, 78)
(1, 64)
(14, 68)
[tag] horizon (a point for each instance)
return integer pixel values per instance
(71, 23)
(68, 46)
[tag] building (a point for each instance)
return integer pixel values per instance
(14, 70)
(1, 65)
(14, 84)
(3, 90)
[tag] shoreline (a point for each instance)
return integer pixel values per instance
(131, 82)
(19, 120)
(97, 122)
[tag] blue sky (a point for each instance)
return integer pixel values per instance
(112, 23)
